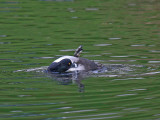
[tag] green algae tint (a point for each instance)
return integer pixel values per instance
(122, 35)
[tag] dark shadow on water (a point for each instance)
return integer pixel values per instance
(107, 70)
(68, 78)
(75, 77)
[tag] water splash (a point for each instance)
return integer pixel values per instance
(107, 70)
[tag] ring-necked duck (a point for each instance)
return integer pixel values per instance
(72, 63)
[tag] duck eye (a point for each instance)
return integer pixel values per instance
(69, 63)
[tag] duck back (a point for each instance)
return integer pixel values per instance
(88, 64)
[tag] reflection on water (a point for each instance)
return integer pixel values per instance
(126, 94)
(71, 10)
(69, 78)
(79, 111)
(121, 60)
(128, 79)
(100, 116)
(36, 104)
(137, 45)
(114, 38)
(153, 61)
(43, 57)
(107, 70)
(137, 89)
(5, 42)
(103, 44)
(155, 51)
(91, 9)
(121, 35)
(3, 35)
(67, 50)
(119, 56)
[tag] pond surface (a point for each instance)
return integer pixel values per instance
(124, 36)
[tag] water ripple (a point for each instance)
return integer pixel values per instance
(153, 61)
(80, 111)
(92, 9)
(114, 38)
(102, 44)
(35, 104)
(126, 94)
(137, 89)
(104, 118)
(91, 115)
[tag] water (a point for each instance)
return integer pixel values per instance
(121, 35)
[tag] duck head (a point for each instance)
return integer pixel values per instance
(60, 66)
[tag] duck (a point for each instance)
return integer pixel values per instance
(72, 63)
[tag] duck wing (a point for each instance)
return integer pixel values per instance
(78, 51)
(88, 64)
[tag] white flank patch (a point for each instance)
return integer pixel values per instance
(79, 67)
(72, 58)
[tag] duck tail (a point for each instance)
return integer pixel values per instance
(78, 51)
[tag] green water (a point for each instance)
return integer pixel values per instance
(113, 32)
